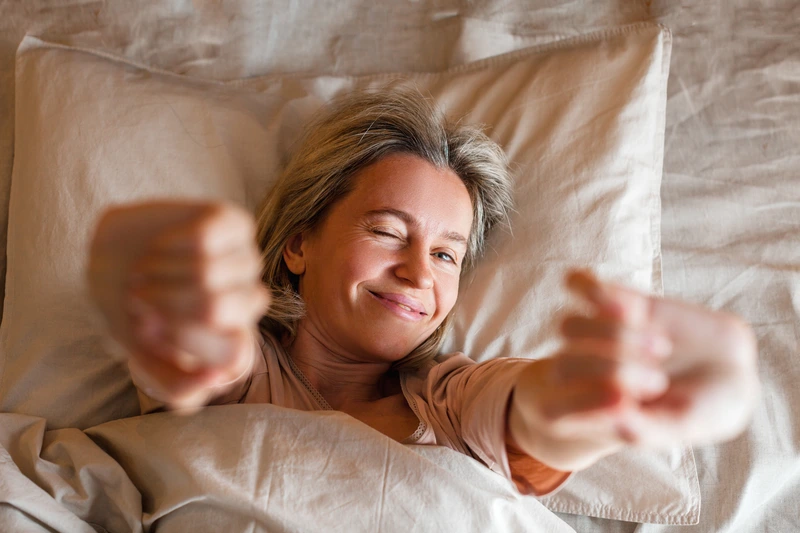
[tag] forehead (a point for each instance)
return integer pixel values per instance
(433, 196)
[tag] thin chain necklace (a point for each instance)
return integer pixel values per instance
(309, 387)
(278, 348)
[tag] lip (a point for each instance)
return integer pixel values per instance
(393, 301)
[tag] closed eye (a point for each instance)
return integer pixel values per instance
(378, 231)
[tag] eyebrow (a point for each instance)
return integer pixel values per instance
(411, 221)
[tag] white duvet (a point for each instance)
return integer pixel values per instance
(247, 468)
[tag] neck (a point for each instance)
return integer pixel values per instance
(342, 379)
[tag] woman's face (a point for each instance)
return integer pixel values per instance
(381, 271)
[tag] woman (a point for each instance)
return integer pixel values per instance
(362, 244)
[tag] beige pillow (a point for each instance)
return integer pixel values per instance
(581, 119)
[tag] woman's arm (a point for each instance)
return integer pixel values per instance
(638, 370)
(178, 284)
(531, 476)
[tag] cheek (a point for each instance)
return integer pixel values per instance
(360, 263)
(447, 294)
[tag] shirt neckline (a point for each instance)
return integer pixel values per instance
(325, 406)
(323, 403)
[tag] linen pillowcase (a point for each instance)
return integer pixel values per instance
(582, 121)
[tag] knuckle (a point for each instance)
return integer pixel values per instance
(204, 227)
(237, 220)
(617, 377)
(202, 242)
(247, 223)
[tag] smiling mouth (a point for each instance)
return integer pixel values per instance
(398, 304)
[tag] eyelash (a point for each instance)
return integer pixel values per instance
(384, 233)
(378, 231)
(450, 259)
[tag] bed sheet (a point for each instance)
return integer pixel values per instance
(730, 196)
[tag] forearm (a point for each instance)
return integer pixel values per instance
(536, 432)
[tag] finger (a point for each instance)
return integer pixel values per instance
(188, 400)
(188, 346)
(684, 324)
(219, 228)
(692, 326)
(693, 411)
(229, 350)
(231, 308)
(165, 382)
(657, 427)
(233, 268)
(653, 344)
(609, 300)
(569, 367)
(179, 385)
(151, 336)
(175, 342)
(578, 398)
(618, 363)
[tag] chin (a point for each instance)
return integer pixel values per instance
(389, 350)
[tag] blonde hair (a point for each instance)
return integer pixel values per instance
(353, 133)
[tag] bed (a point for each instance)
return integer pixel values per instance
(713, 219)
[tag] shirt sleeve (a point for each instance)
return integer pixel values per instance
(467, 405)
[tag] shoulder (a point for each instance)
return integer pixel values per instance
(262, 338)
(267, 343)
(268, 352)
(437, 366)
(444, 364)
(455, 371)
(451, 360)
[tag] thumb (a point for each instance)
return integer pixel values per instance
(609, 300)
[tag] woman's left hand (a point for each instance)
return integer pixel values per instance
(640, 370)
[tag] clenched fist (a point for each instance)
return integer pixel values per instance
(179, 284)
(637, 369)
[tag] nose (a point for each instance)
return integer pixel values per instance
(415, 267)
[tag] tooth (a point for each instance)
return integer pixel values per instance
(407, 308)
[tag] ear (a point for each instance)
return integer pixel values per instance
(293, 254)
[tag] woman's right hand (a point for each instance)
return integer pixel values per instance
(179, 284)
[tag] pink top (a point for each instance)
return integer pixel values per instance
(460, 404)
